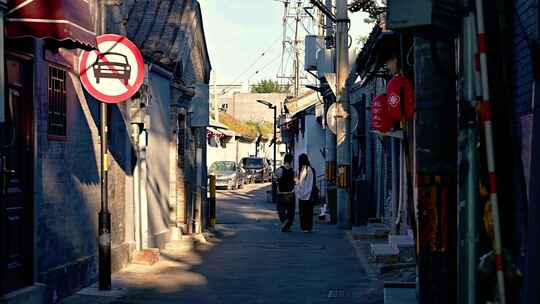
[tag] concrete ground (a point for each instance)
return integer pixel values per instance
(246, 259)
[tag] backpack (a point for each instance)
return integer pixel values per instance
(315, 197)
(286, 181)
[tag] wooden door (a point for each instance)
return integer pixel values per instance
(16, 205)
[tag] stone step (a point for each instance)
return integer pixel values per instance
(361, 233)
(148, 256)
(384, 253)
(401, 240)
(183, 245)
(399, 293)
(379, 230)
(405, 245)
(371, 231)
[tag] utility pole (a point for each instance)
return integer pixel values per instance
(297, 51)
(214, 99)
(343, 139)
(104, 229)
(291, 45)
(330, 138)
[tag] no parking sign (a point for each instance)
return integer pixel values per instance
(114, 72)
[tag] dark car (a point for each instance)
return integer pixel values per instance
(113, 65)
(257, 169)
(228, 174)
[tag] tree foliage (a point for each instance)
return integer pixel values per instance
(269, 86)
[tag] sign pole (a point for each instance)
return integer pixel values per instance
(104, 216)
(111, 77)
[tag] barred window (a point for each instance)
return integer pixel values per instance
(57, 102)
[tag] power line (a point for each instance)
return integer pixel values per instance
(257, 60)
(265, 66)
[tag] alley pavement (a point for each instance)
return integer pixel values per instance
(246, 259)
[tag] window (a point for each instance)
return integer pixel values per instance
(57, 102)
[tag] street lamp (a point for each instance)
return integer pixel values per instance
(274, 107)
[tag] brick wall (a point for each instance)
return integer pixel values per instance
(68, 188)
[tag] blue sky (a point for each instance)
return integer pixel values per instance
(239, 31)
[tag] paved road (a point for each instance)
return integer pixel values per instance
(248, 260)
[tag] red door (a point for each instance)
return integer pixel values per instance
(16, 204)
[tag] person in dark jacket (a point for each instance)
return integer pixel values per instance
(285, 195)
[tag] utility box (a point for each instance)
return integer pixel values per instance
(313, 44)
(425, 17)
(326, 59)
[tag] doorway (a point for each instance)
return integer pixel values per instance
(16, 204)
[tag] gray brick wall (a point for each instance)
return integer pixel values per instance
(68, 188)
(525, 26)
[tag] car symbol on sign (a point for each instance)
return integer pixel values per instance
(114, 66)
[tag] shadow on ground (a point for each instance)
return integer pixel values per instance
(246, 259)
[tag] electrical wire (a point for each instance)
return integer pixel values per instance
(257, 60)
(265, 66)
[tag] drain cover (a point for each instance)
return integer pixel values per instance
(336, 294)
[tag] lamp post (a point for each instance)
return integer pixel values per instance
(274, 107)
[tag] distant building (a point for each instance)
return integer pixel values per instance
(245, 107)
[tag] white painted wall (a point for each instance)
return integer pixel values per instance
(235, 150)
(221, 153)
(311, 143)
(245, 149)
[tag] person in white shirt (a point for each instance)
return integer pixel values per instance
(303, 190)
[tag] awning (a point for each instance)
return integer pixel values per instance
(219, 132)
(66, 21)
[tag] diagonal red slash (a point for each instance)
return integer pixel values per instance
(113, 70)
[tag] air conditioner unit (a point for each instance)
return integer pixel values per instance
(423, 17)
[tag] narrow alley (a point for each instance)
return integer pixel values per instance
(246, 259)
(269, 151)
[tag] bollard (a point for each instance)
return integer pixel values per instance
(212, 201)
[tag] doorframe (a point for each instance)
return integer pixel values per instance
(29, 62)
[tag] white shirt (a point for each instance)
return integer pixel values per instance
(304, 184)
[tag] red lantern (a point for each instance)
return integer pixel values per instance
(380, 120)
(400, 87)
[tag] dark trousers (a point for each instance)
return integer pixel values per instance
(306, 215)
(286, 209)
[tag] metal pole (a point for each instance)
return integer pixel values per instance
(214, 99)
(296, 53)
(467, 271)
(343, 139)
(212, 201)
(490, 149)
(104, 214)
(2, 71)
(330, 138)
(274, 190)
(394, 150)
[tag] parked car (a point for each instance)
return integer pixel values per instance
(228, 175)
(257, 168)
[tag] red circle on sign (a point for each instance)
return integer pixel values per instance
(131, 89)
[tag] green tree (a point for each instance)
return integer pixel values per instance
(269, 86)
